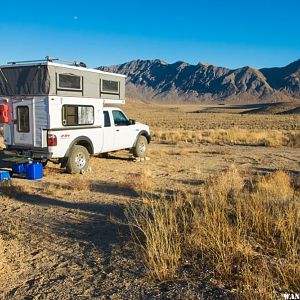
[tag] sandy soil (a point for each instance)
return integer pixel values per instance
(58, 242)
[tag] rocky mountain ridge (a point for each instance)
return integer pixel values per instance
(180, 81)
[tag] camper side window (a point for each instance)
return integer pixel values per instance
(23, 118)
(73, 115)
(69, 82)
(110, 87)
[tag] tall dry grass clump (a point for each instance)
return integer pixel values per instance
(161, 238)
(245, 230)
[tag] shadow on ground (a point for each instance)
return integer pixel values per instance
(91, 245)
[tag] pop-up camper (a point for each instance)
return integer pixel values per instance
(54, 111)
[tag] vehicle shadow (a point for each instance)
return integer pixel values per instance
(98, 228)
(116, 156)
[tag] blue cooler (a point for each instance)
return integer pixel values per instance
(19, 168)
(34, 170)
(4, 176)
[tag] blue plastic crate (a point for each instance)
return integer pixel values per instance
(34, 171)
(19, 168)
(4, 176)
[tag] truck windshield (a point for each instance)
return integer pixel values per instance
(24, 80)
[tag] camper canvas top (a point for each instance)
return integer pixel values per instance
(54, 79)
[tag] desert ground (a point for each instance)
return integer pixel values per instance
(69, 236)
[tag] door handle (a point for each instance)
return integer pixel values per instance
(117, 129)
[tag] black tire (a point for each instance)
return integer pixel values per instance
(141, 147)
(78, 160)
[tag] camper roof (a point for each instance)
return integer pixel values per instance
(44, 63)
(44, 77)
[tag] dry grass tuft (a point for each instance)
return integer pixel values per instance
(79, 183)
(294, 139)
(54, 189)
(76, 183)
(141, 182)
(246, 234)
(277, 185)
(180, 152)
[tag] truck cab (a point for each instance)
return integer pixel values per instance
(121, 132)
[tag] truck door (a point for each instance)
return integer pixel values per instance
(125, 133)
(23, 123)
(108, 133)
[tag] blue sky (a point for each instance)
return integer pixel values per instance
(225, 33)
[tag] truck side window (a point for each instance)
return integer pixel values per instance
(73, 115)
(119, 118)
(23, 118)
(106, 119)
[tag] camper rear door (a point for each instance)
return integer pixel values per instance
(24, 123)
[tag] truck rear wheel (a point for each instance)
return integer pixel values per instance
(78, 160)
(141, 147)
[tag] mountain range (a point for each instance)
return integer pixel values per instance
(160, 81)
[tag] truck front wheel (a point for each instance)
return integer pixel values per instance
(78, 160)
(141, 147)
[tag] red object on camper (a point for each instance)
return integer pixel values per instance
(4, 113)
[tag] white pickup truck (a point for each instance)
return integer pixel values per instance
(58, 112)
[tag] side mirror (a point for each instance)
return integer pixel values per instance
(131, 122)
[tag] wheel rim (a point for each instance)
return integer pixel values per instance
(80, 160)
(142, 147)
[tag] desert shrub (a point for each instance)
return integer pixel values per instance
(247, 234)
